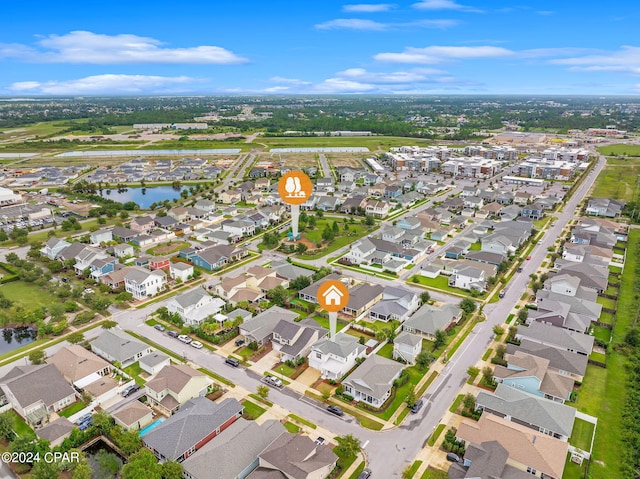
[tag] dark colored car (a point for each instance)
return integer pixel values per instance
(417, 406)
(239, 342)
(232, 362)
(335, 410)
(172, 333)
(365, 474)
(453, 457)
(519, 269)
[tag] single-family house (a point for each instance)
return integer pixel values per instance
(335, 357)
(143, 224)
(310, 292)
(198, 422)
(406, 346)
(428, 319)
(361, 298)
(79, 366)
(549, 335)
(181, 271)
(115, 345)
(194, 306)
(56, 431)
(260, 328)
(133, 416)
(604, 207)
(142, 283)
(468, 277)
(548, 417)
(53, 247)
(153, 362)
(230, 196)
(174, 385)
(123, 250)
(100, 236)
(293, 340)
(372, 381)
(36, 391)
(396, 304)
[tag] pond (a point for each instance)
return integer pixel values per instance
(144, 197)
(103, 460)
(13, 338)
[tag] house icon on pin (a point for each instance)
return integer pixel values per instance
(332, 296)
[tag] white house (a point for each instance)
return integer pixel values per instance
(468, 277)
(142, 283)
(195, 306)
(406, 347)
(335, 357)
(181, 271)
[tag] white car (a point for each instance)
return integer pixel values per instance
(196, 344)
(274, 381)
(184, 338)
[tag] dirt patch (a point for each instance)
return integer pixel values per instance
(168, 248)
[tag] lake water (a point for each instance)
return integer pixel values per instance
(144, 197)
(13, 338)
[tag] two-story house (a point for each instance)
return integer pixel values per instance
(335, 357)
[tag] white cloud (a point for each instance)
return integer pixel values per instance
(444, 5)
(108, 83)
(290, 81)
(363, 24)
(627, 59)
(383, 78)
(340, 85)
(352, 24)
(442, 54)
(368, 7)
(93, 48)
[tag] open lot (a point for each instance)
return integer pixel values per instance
(619, 179)
(374, 143)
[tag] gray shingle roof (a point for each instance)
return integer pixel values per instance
(559, 359)
(198, 418)
(430, 318)
(297, 456)
(538, 411)
(342, 345)
(374, 376)
(233, 451)
(32, 383)
(557, 337)
(118, 344)
(61, 427)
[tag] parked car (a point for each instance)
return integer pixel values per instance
(519, 269)
(528, 258)
(172, 333)
(453, 457)
(84, 418)
(184, 338)
(232, 362)
(129, 390)
(365, 474)
(335, 410)
(196, 344)
(159, 327)
(417, 406)
(501, 294)
(239, 342)
(274, 381)
(320, 441)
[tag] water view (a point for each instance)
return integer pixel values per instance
(144, 197)
(13, 338)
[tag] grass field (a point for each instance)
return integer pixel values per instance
(168, 248)
(252, 411)
(619, 149)
(386, 351)
(27, 294)
(291, 427)
(74, 408)
(19, 425)
(441, 282)
(582, 434)
(618, 180)
(371, 142)
(197, 145)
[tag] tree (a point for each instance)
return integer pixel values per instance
(411, 398)
(498, 330)
(82, 471)
(44, 470)
(425, 297)
(440, 338)
(278, 295)
(171, 470)
(37, 357)
(299, 283)
(473, 371)
(501, 349)
(469, 401)
(467, 305)
(348, 445)
(142, 465)
(523, 314)
(75, 337)
(6, 426)
(109, 324)
(423, 359)
(262, 391)
(369, 221)
(301, 248)
(487, 375)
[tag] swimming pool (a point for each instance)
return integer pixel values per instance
(151, 426)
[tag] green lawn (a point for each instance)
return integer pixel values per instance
(356, 231)
(357, 471)
(371, 142)
(324, 322)
(74, 408)
(435, 474)
(167, 248)
(606, 302)
(436, 434)
(618, 179)
(619, 149)
(574, 471)
(601, 333)
(198, 145)
(28, 294)
(414, 468)
(486, 354)
(253, 411)
(386, 351)
(456, 402)
(582, 434)
(20, 427)
(284, 370)
(441, 282)
(292, 428)
(606, 318)
(134, 370)
(303, 421)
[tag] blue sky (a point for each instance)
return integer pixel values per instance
(326, 47)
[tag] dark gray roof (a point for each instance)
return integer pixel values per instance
(61, 427)
(522, 406)
(262, 325)
(118, 344)
(32, 383)
(233, 451)
(430, 318)
(363, 294)
(312, 289)
(290, 271)
(198, 418)
(557, 337)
